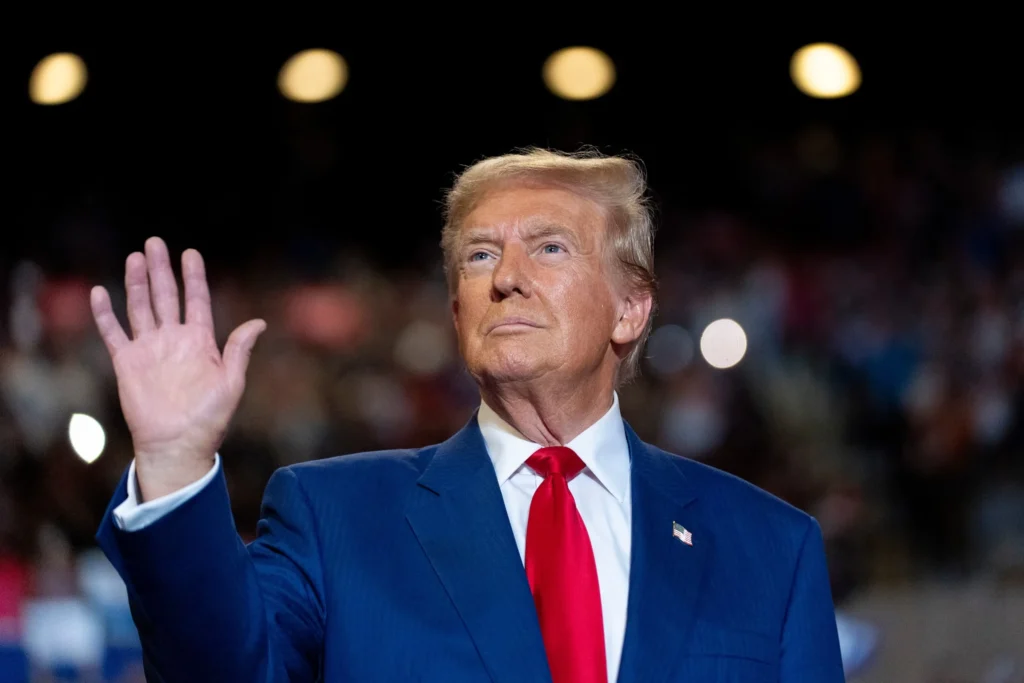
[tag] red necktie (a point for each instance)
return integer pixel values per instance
(562, 573)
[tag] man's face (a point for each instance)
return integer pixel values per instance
(536, 294)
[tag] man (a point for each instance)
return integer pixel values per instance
(544, 541)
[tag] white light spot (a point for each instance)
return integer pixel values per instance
(87, 437)
(723, 343)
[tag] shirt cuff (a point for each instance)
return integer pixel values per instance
(133, 516)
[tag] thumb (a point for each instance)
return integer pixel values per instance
(239, 347)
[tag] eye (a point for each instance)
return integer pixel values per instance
(475, 256)
(552, 248)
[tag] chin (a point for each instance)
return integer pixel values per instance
(510, 363)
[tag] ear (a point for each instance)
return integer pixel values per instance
(634, 310)
(455, 313)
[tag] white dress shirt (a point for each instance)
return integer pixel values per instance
(602, 494)
(601, 491)
(131, 516)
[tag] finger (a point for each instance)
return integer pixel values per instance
(239, 348)
(162, 283)
(106, 322)
(136, 285)
(198, 309)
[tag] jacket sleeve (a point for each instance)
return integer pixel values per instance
(208, 607)
(131, 515)
(810, 639)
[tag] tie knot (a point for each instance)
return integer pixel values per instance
(556, 460)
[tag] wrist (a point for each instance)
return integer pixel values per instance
(157, 477)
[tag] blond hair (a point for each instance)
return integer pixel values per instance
(617, 183)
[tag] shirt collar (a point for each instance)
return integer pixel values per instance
(602, 447)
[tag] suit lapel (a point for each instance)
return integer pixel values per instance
(459, 517)
(665, 574)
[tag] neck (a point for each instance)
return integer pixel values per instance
(550, 416)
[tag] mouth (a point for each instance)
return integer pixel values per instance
(512, 324)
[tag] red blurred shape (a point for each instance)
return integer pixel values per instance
(324, 315)
(14, 587)
(64, 306)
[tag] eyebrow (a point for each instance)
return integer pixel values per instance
(476, 236)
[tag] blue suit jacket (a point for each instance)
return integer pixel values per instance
(402, 566)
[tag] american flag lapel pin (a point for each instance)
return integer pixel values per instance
(681, 532)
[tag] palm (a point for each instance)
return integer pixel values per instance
(177, 391)
(172, 383)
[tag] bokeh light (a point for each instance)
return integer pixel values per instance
(669, 350)
(423, 348)
(57, 79)
(1011, 195)
(723, 344)
(825, 71)
(579, 73)
(87, 437)
(313, 76)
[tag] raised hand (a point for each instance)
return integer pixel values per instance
(178, 392)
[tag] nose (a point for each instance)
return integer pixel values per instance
(512, 274)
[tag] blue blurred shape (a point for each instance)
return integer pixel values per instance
(119, 660)
(13, 664)
(858, 642)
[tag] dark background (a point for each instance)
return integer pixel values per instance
(190, 138)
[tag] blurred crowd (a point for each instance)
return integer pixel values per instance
(879, 282)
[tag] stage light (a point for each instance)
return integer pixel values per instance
(723, 343)
(87, 437)
(313, 76)
(57, 79)
(825, 71)
(579, 73)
